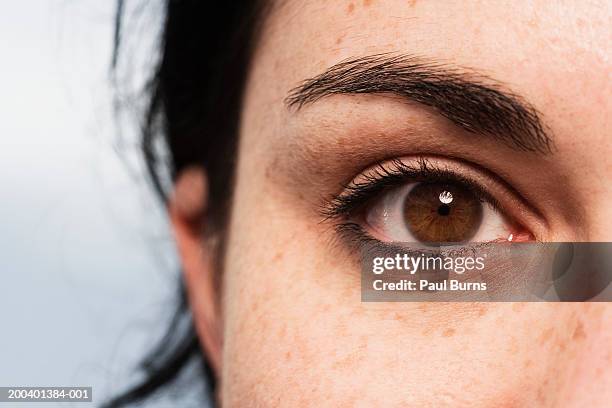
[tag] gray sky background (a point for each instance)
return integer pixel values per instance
(86, 259)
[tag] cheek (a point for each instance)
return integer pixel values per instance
(296, 332)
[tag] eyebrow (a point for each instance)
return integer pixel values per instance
(470, 100)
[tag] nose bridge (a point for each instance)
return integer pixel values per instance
(589, 380)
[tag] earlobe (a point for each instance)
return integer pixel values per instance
(187, 210)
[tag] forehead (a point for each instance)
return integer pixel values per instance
(555, 54)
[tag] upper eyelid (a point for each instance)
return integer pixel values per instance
(395, 172)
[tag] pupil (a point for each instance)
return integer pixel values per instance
(444, 210)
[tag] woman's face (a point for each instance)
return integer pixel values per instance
(295, 331)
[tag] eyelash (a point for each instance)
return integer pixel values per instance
(357, 195)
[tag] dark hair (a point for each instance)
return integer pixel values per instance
(194, 99)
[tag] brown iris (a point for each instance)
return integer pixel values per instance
(442, 212)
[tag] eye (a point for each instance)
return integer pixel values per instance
(434, 212)
(431, 201)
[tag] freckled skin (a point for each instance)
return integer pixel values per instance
(295, 333)
(450, 332)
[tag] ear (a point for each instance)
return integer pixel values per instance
(187, 209)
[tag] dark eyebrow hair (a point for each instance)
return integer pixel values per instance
(472, 101)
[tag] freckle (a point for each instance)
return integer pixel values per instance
(412, 3)
(562, 345)
(532, 23)
(579, 333)
(277, 257)
(338, 40)
(514, 347)
(448, 332)
(349, 361)
(546, 335)
(541, 397)
(350, 8)
(288, 356)
(528, 363)
(482, 311)
(366, 3)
